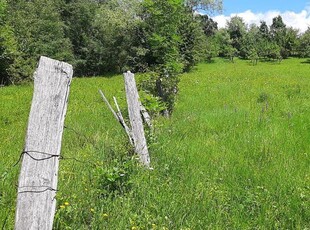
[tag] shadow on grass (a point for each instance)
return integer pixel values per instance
(210, 61)
(105, 75)
(305, 62)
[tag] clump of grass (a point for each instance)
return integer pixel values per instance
(263, 97)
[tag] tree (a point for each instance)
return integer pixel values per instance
(113, 35)
(304, 44)
(289, 42)
(226, 48)
(250, 43)
(161, 21)
(277, 26)
(161, 39)
(8, 45)
(193, 39)
(78, 17)
(102, 34)
(212, 48)
(38, 31)
(272, 51)
(284, 37)
(264, 42)
(172, 39)
(237, 30)
(208, 25)
(264, 31)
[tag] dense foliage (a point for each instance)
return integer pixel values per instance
(8, 45)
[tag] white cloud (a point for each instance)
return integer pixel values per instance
(299, 20)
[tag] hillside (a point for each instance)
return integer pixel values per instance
(234, 154)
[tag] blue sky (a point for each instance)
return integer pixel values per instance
(256, 6)
(295, 13)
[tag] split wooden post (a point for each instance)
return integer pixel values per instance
(36, 203)
(135, 119)
(118, 116)
(146, 117)
(122, 121)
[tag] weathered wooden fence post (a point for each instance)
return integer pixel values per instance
(134, 110)
(36, 203)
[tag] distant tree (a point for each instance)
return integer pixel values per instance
(290, 42)
(226, 48)
(264, 31)
(102, 34)
(250, 44)
(208, 25)
(78, 17)
(264, 42)
(277, 30)
(283, 36)
(112, 37)
(96, 36)
(253, 56)
(277, 25)
(304, 44)
(212, 48)
(237, 30)
(161, 38)
(161, 22)
(193, 39)
(272, 51)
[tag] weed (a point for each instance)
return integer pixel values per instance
(263, 97)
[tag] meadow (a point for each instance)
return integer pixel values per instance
(235, 154)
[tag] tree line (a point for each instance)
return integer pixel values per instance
(161, 37)
(274, 42)
(97, 36)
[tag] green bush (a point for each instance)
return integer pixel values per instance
(8, 45)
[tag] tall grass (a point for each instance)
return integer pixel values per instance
(234, 154)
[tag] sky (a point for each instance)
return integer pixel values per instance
(295, 13)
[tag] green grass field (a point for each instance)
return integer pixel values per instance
(234, 155)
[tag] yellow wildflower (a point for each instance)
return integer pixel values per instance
(105, 215)
(67, 203)
(62, 206)
(92, 210)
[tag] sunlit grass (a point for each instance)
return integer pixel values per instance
(234, 154)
